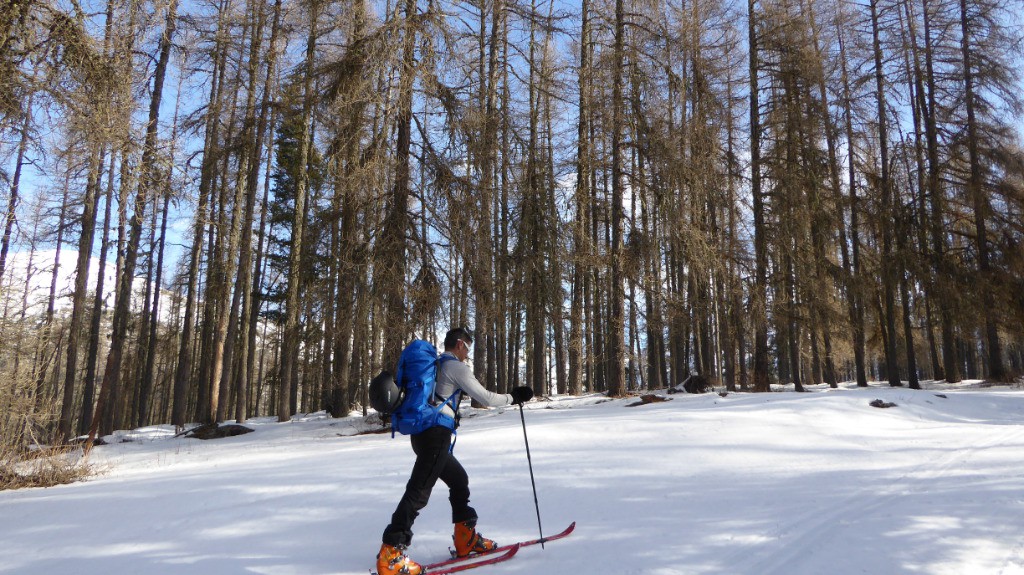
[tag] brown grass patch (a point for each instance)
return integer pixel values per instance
(42, 467)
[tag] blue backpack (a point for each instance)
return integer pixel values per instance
(420, 407)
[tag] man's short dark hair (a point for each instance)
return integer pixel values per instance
(451, 339)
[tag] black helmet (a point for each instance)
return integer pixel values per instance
(385, 397)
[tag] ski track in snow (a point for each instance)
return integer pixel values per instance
(813, 530)
(749, 484)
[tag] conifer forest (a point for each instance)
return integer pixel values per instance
(220, 209)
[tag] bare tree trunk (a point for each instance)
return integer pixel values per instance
(88, 223)
(616, 383)
(885, 190)
(344, 229)
(159, 75)
(184, 368)
(821, 216)
(393, 243)
(88, 226)
(143, 344)
(979, 203)
(248, 280)
(851, 256)
(12, 201)
(950, 371)
(533, 229)
(581, 249)
(241, 228)
(915, 85)
(482, 257)
(42, 362)
(290, 349)
(760, 295)
(732, 304)
(96, 321)
(256, 300)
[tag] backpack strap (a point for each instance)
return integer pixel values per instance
(450, 400)
(454, 400)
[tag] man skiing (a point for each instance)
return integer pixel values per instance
(435, 460)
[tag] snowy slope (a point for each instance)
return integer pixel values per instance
(748, 484)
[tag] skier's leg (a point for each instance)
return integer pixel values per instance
(467, 539)
(457, 480)
(431, 448)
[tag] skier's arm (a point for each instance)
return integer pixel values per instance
(462, 377)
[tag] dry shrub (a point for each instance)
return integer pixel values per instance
(41, 467)
(27, 426)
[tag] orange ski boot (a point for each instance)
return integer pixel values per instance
(469, 541)
(392, 560)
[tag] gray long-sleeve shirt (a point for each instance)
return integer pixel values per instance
(453, 374)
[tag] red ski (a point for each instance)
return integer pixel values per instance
(464, 563)
(430, 569)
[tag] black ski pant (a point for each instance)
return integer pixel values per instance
(434, 461)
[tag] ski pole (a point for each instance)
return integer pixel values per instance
(532, 482)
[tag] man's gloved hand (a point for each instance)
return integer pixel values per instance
(521, 395)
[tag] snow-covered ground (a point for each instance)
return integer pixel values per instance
(747, 484)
